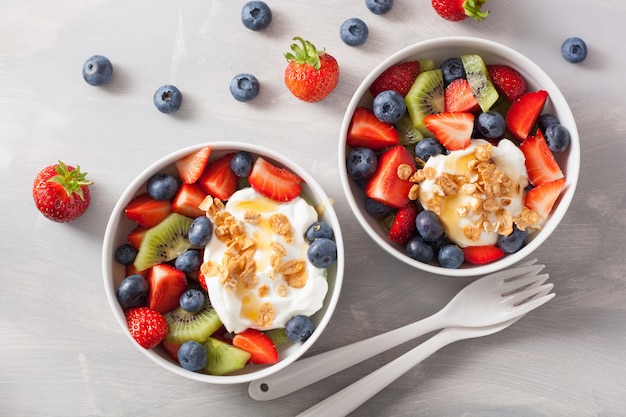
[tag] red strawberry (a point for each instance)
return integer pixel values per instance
(367, 131)
(452, 130)
(136, 236)
(385, 186)
(146, 326)
(541, 199)
(540, 163)
(274, 182)
(508, 80)
(398, 77)
(146, 211)
(191, 167)
(218, 179)
(403, 226)
(60, 192)
(130, 269)
(524, 112)
(260, 347)
(482, 254)
(171, 349)
(202, 281)
(458, 97)
(167, 284)
(456, 10)
(187, 199)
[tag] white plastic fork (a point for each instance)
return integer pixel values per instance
(490, 300)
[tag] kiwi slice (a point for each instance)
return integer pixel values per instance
(479, 81)
(277, 336)
(427, 64)
(197, 326)
(408, 134)
(224, 358)
(164, 242)
(425, 97)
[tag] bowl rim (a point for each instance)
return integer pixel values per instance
(556, 97)
(109, 242)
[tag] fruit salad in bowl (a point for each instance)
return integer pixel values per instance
(459, 156)
(223, 262)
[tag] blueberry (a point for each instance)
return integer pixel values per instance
(200, 231)
(450, 256)
(419, 250)
(188, 261)
(491, 124)
(353, 32)
(299, 328)
(317, 230)
(241, 163)
(256, 15)
(162, 186)
(125, 254)
(557, 137)
(132, 291)
(167, 99)
(379, 6)
(244, 87)
(452, 69)
(514, 241)
(361, 163)
(389, 106)
(377, 209)
(192, 300)
(428, 147)
(574, 50)
(545, 120)
(428, 226)
(192, 356)
(97, 70)
(322, 252)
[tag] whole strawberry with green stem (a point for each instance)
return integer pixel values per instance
(61, 192)
(457, 10)
(311, 75)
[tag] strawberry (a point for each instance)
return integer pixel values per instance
(187, 199)
(202, 281)
(260, 347)
(136, 236)
(385, 186)
(541, 164)
(166, 284)
(171, 349)
(130, 269)
(541, 199)
(367, 131)
(508, 80)
(61, 192)
(146, 326)
(457, 10)
(479, 255)
(146, 211)
(311, 75)
(191, 167)
(452, 130)
(524, 112)
(218, 179)
(398, 77)
(274, 182)
(458, 97)
(403, 226)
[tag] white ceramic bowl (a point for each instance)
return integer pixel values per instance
(119, 227)
(492, 53)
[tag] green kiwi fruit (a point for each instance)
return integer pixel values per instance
(408, 134)
(425, 97)
(277, 336)
(197, 326)
(427, 64)
(479, 81)
(164, 242)
(224, 358)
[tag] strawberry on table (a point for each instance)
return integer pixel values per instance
(191, 167)
(218, 180)
(541, 164)
(457, 10)
(524, 112)
(273, 182)
(166, 284)
(541, 199)
(403, 226)
(146, 326)
(398, 77)
(260, 346)
(146, 211)
(479, 255)
(452, 130)
(508, 80)
(385, 186)
(367, 131)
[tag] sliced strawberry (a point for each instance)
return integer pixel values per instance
(218, 179)
(367, 131)
(508, 80)
(540, 163)
(260, 347)
(146, 211)
(202, 281)
(191, 167)
(167, 284)
(524, 112)
(274, 182)
(398, 77)
(171, 349)
(385, 186)
(452, 130)
(458, 97)
(482, 254)
(403, 226)
(136, 236)
(130, 269)
(541, 199)
(187, 200)
(148, 327)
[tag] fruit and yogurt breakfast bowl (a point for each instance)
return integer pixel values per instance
(223, 262)
(459, 156)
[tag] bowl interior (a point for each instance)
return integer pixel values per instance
(492, 53)
(119, 226)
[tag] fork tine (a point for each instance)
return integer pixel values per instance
(527, 296)
(511, 274)
(522, 283)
